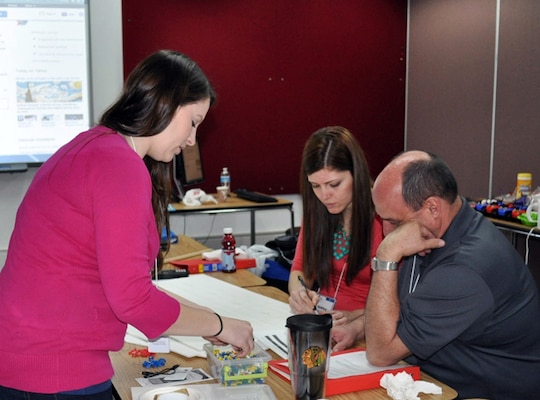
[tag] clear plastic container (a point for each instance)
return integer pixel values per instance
(251, 392)
(239, 371)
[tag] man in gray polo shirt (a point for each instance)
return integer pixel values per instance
(462, 305)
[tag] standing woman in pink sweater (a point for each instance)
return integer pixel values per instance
(87, 236)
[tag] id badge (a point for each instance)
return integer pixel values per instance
(326, 303)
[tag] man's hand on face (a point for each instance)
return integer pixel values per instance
(407, 239)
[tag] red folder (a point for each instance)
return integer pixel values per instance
(347, 384)
(200, 265)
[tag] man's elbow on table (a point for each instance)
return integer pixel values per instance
(385, 355)
(378, 360)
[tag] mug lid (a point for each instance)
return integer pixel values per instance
(309, 322)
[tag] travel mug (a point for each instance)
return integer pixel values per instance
(308, 346)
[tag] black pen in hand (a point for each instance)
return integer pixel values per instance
(307, 291)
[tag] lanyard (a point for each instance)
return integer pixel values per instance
(412, 287)
(340, 279)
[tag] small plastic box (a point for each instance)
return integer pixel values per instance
(239, 371)
(245, 392)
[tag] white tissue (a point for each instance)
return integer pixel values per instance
(402, 386)
(195, 197)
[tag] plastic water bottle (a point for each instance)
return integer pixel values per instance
(228, 249)
(225, 178)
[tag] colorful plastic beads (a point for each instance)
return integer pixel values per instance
(238, 372)
(153, 363)
(140, 353)
(227, 353)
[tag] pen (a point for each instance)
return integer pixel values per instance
(303, 283)
(305, 287)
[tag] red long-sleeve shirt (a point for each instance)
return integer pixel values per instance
(351, 297)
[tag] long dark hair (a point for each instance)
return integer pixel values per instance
(335, 148)
(152, 93)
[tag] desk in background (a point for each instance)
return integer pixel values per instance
(515, 229)
(235, 204)
(188, 248)
(185, 249)
(128, 368)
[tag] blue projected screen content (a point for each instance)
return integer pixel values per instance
(44, 78)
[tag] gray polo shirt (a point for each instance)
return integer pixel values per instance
(470, 313)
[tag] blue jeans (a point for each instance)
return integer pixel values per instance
(13, 394)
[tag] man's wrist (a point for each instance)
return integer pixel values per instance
(381, 265)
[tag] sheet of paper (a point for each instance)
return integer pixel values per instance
(267, 316)
(342, 366)
(277, 343)
(354, 363)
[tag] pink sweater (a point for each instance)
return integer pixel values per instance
(78, 267)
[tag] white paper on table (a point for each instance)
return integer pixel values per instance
(267, 316)
(353, 363)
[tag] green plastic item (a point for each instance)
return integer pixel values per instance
(525, 221)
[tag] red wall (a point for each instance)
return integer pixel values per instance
(282, 69)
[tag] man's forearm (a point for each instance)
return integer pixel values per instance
(382, 313)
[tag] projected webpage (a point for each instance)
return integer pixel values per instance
(44, 77)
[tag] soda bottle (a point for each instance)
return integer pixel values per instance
(228, 249)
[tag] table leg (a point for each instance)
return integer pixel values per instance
(252, 226)
(292, 219)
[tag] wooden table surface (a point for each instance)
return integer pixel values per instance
(188, 248)
(233, 203)
(128, 368)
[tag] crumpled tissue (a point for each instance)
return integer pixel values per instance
(195, 197)
(403, 387)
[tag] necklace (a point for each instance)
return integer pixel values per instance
(133, 144)
(341, 243)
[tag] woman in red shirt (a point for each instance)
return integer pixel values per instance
(340, 233)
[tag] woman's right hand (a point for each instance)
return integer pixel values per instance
(237, 333)
(303, 301)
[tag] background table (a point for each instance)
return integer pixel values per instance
(236, 204)
(185, 249)
(515, 229)
(188, 248)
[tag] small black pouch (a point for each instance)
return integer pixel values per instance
(286, 246)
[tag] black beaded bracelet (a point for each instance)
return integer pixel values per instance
(220, 325)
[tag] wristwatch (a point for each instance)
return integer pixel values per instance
(378, 265)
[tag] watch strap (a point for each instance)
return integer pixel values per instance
(379, 265)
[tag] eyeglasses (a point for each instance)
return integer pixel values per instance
(166, 371)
